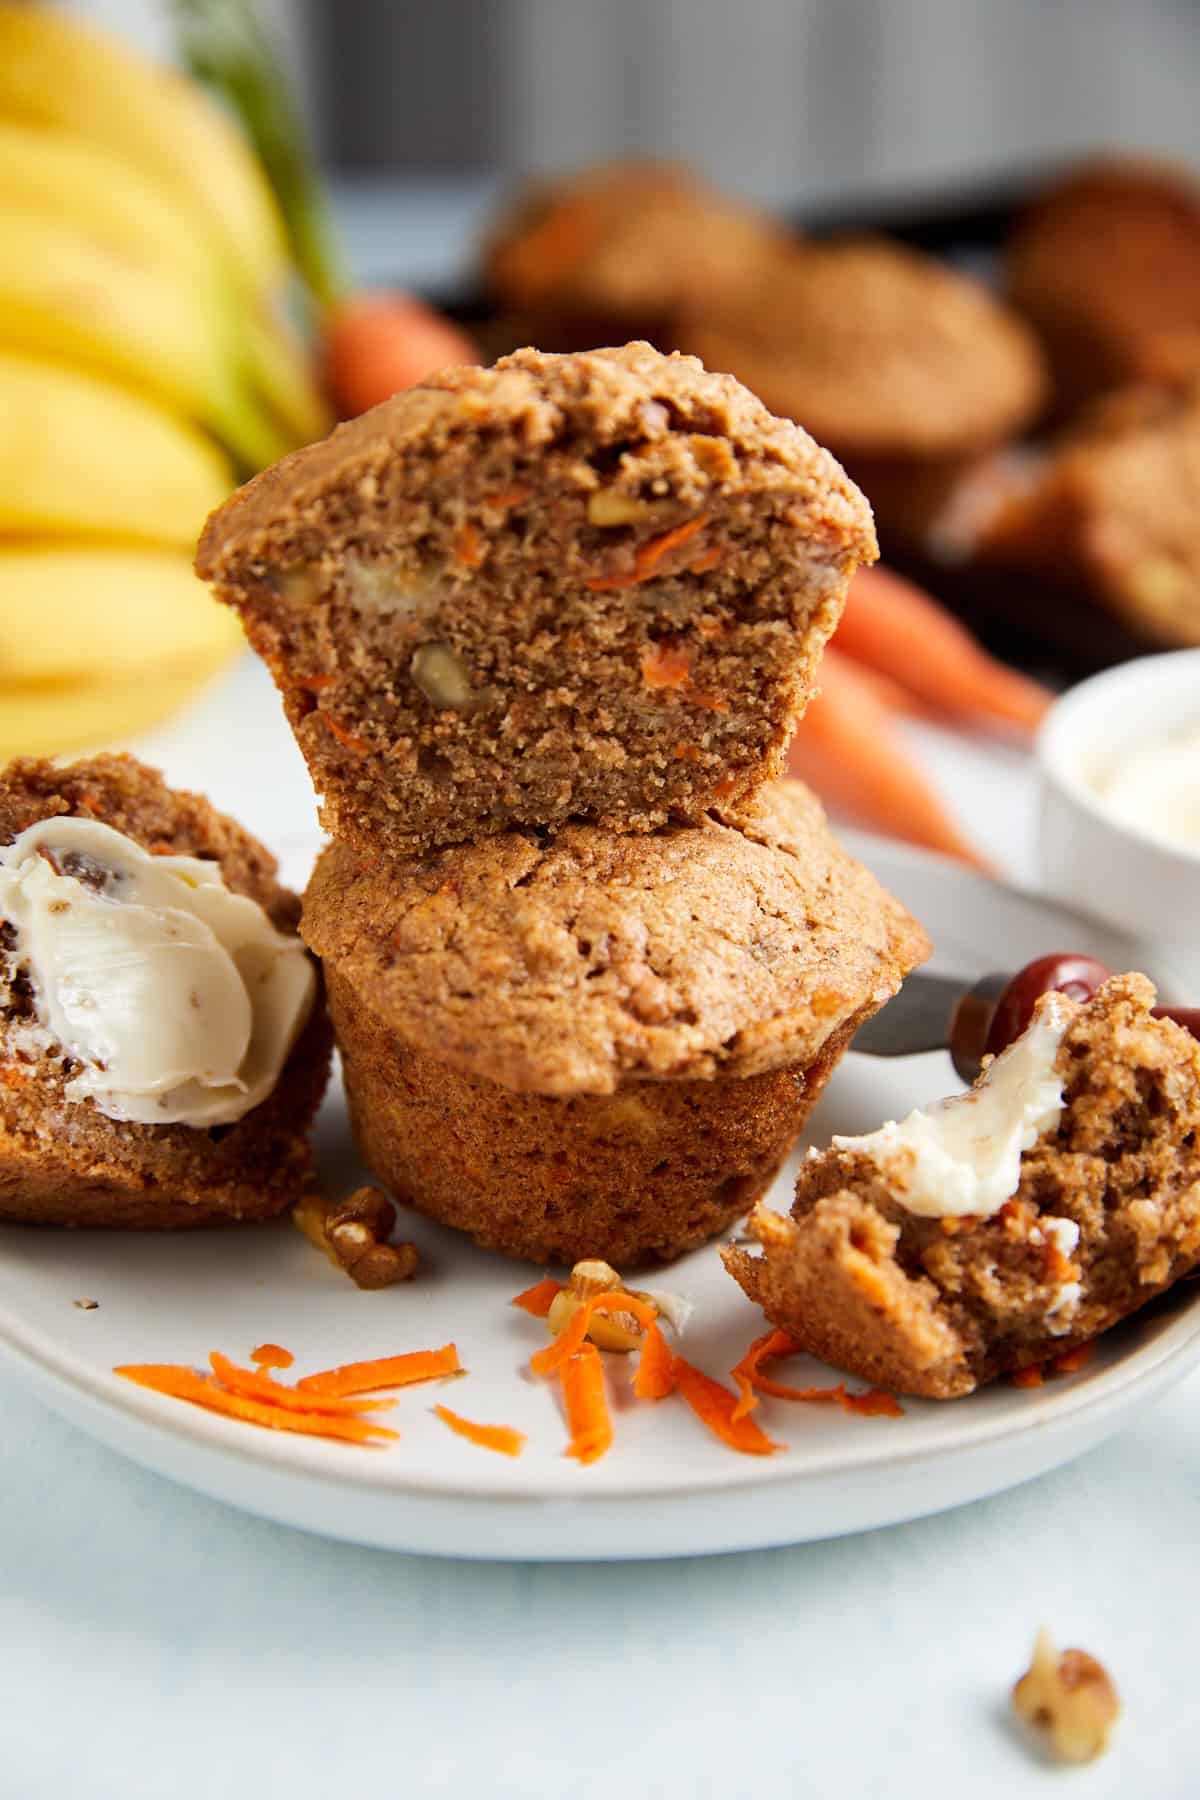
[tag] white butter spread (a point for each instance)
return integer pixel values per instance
(1156, 789)
(962, 1156)
(178, 999)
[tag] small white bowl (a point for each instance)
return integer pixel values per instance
(1091, 860)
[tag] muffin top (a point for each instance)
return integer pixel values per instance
(878, 351)
(566, 963)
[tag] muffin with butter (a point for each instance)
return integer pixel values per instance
(581, 1043)
(163, 1038)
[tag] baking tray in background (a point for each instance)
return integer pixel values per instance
(1056, 633)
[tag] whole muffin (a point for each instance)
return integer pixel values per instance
(577, 1043)
(905, 368)
(627, 242)
(1112, 512)
(589, 586)
(1106, 268)
(163, 1040)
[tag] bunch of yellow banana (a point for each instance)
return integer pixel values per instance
(144, 362)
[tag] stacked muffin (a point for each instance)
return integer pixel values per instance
(542, 632)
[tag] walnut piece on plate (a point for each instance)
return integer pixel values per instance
(354, 1234)
(1069, 1700)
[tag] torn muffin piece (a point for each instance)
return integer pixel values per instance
(1005, 1225)
(163, 1039)
(592, 586)
(580, 1044)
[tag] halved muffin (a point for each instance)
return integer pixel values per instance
(163, 1040)
(591, 586)
(1003, 1226)
(576, 1043)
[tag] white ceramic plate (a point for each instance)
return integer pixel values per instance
(666, 1488)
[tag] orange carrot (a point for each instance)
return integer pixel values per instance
(1029, 1377)
(256, 1386)
(539, 1298)
(647, 559)
(666, 666)
(715, 1405)
(846, 747)
(894, 627)
(772, 1343)
(582, 1377)
(504, 1438)
(272, 1356)
(874, 1403)
(1071, 1361)
(573, 1333)
(181, 1383)
(655, 1377)
(376, 344)
(469, 546)
(345, 736)
(383, 1372)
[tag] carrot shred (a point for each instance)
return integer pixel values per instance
(181, 1383)
(313, 684)
(655, 1377)
(899, 630)
(12, 1075)
(714, 1405)
(504, 1438)
(539, 1298)
(344, 736)
(873, 1403)
(272, 1356)
(258, 1386)
(647, 559)
(771, 1343)
(1071, 1361)
(383, 1372)
(469, 547)
(665, 666)
(588, 1417)
(1029, 1377)
(573, 1333)
(507, 497)
(707, 559)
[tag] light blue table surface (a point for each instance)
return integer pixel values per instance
(155, 1644)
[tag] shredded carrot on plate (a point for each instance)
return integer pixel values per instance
(383, 1372)
(655, 1377)
(1071, 1361)
(588, 1418)
(573, 1333)
(180, 1383)
(874, 1403)
(504, 1438)
(256, 1385)
(272, 1356)
(715, 1406)
(539, 1298)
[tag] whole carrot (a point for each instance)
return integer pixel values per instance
(893, 627)
(847, 748)
(376, 344)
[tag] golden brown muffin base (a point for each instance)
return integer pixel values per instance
(937, 1307)
(628, 567)
(640, 1175)
(62, 1162)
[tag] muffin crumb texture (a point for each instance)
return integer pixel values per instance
(1106, 1215)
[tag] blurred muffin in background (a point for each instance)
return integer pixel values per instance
(907, 370)
(618, 250)
(1114, 512)
(1106, 268)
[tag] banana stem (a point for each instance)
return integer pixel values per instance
(225, 46)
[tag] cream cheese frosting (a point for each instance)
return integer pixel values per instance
(179, 1000)
(962, 1156)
